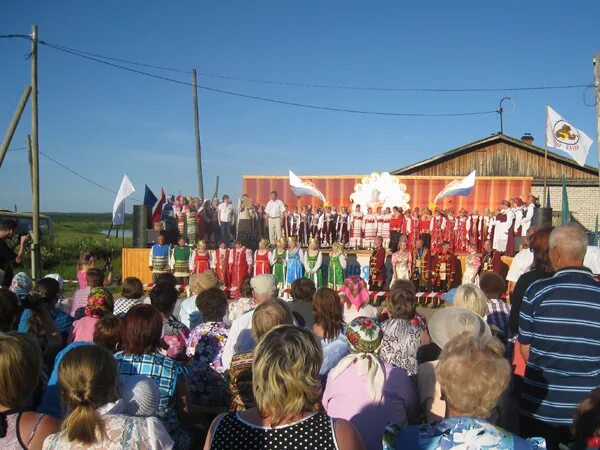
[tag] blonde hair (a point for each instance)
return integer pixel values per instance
(461, 358)
(285, 373)
(268, 315)
(471, 297)
(265, 243)
(20, 367)
(88, 379)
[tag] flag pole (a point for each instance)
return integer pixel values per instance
(546, 159)
(596, 62)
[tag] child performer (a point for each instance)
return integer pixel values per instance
(262, 258)
(313, 258)
(240, 265)
(293, 262)
(278, 263)
(200, 259)
(221, 264)
(336, 267)
(179, 262)
(443, 270)
(472, 264)
(401, 262)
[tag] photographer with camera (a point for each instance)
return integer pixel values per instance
(8, 258)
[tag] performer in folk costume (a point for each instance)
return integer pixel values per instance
(262, 258)
(461, 234)
(293, 261)
(221, 264)
(356, 228)
(385, 227)
(532, 203)
(504, 239)
(475, 230)
(343, 227)
(396, 223)
(408, 229)
(424, 225)
(304, 226)
(437, 227)
(401, 262)
(443, 269)
(518, 209)
(294, 226)
(370, 231)
(313, 259)
(158, 259)
(168, 215)
(337, 267)
(327, 226)
(449, 233)
(240, 265)
(379, 220)
(314, 224)
(179, 262)
(377, 266)
(278, 263)
(472, 264)
(191, 220)
(420, 266)
(181, 210)
(286, 222)
(488, 225)
(200, 259)
(491, 259)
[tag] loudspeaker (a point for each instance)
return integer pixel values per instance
(542, 217)
(141, 222)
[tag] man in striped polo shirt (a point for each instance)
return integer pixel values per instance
(559, 332)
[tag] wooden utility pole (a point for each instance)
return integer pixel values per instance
(13, 124)
(197, 135)
(597, 98)
(35, 158)
(30, 157)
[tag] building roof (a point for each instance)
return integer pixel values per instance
(473, 146)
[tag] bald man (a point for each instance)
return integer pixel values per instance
(559, 333)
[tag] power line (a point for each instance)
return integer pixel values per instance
(323, 85)
(266, 99)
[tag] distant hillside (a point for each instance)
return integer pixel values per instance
(84, 217)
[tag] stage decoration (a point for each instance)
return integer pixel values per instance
(380, 190)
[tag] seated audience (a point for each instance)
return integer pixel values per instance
(140, 394)
(107, 333)
(471, 297)
(468, 404)
(163, 296)
(141, 343)
(586, 423)
(186, 309)
(131, 295)
(367, 391)
(20, 370)
(286, 388)
(205, 345)
(89, 385)
(302, 292)
(328, 328)
(402, 339)
(243, 304)
(100, 303)
(266, 316)
(9, 310)
(444, 326)
(355, 299)
(21, 285)
(95, 279)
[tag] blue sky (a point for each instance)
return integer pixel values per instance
(103, 122)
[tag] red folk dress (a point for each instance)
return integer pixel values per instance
(201, 261)
(261, 263)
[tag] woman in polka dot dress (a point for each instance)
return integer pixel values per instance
(288, 413)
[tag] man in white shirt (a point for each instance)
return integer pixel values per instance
(274, 211)
(225, 217)
(592, 259)
(521, 262)
(240, 335)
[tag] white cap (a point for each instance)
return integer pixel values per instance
(140, 394)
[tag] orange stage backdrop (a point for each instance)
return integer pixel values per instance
(488, 192)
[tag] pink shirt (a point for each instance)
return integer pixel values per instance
(347, 397)
(83, 329)
(80, 298)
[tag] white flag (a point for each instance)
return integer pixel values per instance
(300, 187)
(125, 191)
(564, 136)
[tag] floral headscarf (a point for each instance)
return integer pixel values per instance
(355, 290)
(365, 337)
(21, 285)
(100, 302)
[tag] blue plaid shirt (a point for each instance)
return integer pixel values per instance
(498, 313)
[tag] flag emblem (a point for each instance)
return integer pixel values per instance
(565, 134)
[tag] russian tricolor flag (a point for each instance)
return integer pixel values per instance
(460, 188)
